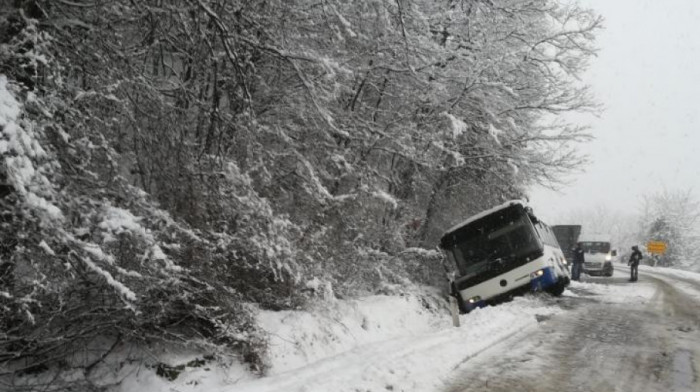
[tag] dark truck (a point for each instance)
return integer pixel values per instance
(567, 236)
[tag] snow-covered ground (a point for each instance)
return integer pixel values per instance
(641, 292)
(376, 343)
(685, 281)
(400, 343)
(615, 335)
(672, 273)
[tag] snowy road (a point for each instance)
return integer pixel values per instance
(617, 336)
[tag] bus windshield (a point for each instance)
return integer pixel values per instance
(595, 246)
(503, 236)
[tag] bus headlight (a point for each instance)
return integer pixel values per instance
(608, 257)
(564, 261)
(474, 300)
(537, 274)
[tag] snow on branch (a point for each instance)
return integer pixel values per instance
(117, 285)
(25, 159)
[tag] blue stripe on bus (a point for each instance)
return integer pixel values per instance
(547, 279)
(473, 305)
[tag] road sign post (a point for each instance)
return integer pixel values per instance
(454, 309)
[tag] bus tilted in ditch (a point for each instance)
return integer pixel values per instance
(501, 252)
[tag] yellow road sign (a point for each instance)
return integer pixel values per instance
(658, 247)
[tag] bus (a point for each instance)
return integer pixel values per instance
(598, 255)
(501, 252)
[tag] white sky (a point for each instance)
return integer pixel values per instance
(647, 76)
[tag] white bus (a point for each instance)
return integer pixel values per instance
(503, 251)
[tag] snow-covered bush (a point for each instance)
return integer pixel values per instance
(87, 257)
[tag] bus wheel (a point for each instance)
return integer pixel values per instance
(557, 289)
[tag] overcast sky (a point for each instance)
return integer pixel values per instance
(647, 76)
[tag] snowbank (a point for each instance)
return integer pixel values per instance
(391, 343)
(672, 273)
(376, 343)
(299, 338)
(685, 281)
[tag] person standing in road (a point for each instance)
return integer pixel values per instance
(577, 262)
(635, 258)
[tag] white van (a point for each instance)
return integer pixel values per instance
(598, 254)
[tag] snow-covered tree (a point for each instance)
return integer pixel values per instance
(673, 217)
(165, 164)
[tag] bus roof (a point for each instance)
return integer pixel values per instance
(485, 213)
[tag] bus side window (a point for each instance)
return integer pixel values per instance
(547, 235)
(541, 231)
(552, 240)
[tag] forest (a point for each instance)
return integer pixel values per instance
(169, 167)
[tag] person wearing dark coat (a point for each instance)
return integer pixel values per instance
(635, 258)
(577, 262)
